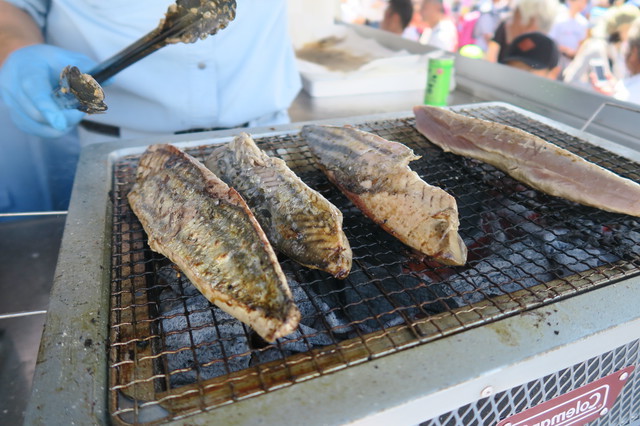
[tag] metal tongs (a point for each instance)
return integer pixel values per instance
(185, 21)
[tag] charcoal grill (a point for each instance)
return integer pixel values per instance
(402, 335)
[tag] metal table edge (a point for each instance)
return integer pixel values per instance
(70, 378)
(119, 149)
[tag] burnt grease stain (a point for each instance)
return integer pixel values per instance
(540, 321)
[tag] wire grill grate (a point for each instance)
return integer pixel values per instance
(172, 354)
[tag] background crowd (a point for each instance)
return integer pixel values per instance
(594, 44)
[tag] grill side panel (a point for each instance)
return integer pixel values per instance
(491, 410)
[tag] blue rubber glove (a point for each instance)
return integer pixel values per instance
(27, 79)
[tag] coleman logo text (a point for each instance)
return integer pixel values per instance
(571, 411)
(578, 407)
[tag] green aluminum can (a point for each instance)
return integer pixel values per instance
(438, 81)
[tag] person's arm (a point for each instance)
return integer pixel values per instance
(607, 88)
(30, 70)
(493, 49)
(483, 30)
(17, 29)
(493, 46)
(567, 51)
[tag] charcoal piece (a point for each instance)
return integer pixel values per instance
(571, 255)
(196, 345)
(180, 285)
(317, 314)
(378, 296)
(631, 242)
(622, 239)
(509, 269)
(437, 302)
(301, 340)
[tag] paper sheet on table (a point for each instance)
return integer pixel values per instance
(381, 70)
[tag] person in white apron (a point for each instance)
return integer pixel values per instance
(245, 75)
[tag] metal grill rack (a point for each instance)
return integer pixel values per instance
(172, 354)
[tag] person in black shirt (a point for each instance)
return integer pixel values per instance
(527, 16)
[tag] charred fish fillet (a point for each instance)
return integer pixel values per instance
(298, 221)
(529, 159)
(374, 174)
(207, 230)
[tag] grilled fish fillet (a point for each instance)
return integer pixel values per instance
(529, 159)
(374, 174)
(298, 221)
(207, 230)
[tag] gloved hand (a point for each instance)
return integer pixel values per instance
(27, 79)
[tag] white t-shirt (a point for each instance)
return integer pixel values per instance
(443, 36)
(569, 31)
(629, 89)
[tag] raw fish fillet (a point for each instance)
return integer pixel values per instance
(529, 159)
(298, 221)
(207, 230)
(374, 174)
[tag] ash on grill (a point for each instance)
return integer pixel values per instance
(526, 245)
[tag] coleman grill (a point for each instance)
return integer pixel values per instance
(171, 355)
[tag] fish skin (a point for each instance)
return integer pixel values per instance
(207, 230)
(529, 159)
(297, 220)
(374, 174)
